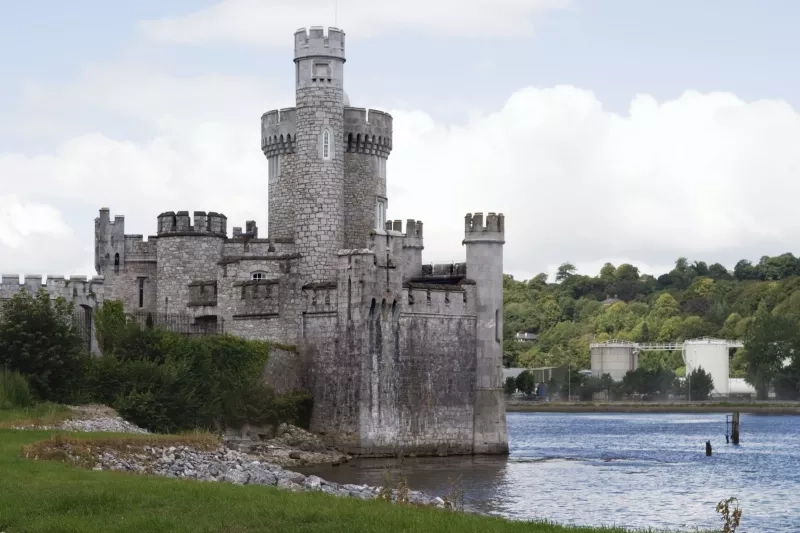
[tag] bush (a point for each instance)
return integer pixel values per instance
(700, 384)
(39, 339)
(14, 390)
(510, 385)
(166, 382)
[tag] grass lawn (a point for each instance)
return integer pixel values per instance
(53, 497)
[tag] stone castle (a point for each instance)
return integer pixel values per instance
(398, 355)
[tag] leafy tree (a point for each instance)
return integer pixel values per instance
(564, 271)
(769, 344)
(510, 385)
(700, 384)
(39, 339)
(525, 382)
(718, 272)
(744, 270)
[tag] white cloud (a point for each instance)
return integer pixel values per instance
(21, 220)
(707, 176)
(265, 22)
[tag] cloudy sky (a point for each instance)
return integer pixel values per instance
(605, 130)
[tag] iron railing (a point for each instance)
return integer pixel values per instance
(179, 323)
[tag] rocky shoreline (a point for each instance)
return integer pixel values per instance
(261, 463)
(230, 466)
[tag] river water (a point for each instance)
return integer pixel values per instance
(631, 470)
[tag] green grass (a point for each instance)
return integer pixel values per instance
(55, 497)
(41, 414)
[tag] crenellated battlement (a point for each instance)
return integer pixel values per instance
(78, 289)
(452, 270)
(313, 42)
(138, 248)
(413, 227)
(493, 229)
(367, 131)
(279, 131)
(171, 223)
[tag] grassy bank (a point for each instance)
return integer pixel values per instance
(50, 496)
(776, 408)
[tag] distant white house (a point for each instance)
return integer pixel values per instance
(525, 336)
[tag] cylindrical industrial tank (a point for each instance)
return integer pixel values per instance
(712, 356)
(615, 358)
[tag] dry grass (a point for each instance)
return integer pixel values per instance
(83, 450)
(37, 416)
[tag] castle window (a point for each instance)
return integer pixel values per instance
(141, 292)
(258, 276)
(326, 144)
(274, 168)
(116, 263)
(382, 167)
(380, 214)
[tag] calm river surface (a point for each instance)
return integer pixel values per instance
(633, 470)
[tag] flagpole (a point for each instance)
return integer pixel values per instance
(336, 16)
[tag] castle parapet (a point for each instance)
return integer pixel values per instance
(492, 230)
(367, 131)
(313, 42)
(77, 289)
(174, 224)
(279, 131)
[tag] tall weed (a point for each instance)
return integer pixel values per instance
(14, 390)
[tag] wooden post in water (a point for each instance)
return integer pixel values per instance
(708, 448)
(735, 428)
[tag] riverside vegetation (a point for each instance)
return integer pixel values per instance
(756, 303)
(168, 383)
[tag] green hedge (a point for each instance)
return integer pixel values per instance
(157, 379)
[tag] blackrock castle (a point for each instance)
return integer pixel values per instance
(398, 355)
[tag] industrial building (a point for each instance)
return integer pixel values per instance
(617, 357)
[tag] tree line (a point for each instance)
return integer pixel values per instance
(756, 303)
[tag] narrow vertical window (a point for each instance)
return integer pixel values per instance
(116, 263)
(380, 214)
(326, 144)
(141, 292)
(497, 325)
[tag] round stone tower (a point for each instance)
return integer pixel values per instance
(318, 173)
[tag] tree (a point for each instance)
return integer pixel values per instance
(744, 270)
(564, 271)
(700, 384)
(510, 385)
(39, 339)
(769, 344)
(525, 382)
(718, 272)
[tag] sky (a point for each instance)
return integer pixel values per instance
(605, 130)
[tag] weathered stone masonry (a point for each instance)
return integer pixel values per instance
(399, 356)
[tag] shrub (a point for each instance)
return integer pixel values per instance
(700, 384)
(510, 385)
(14, 390)
(166, 382)
(39, 339)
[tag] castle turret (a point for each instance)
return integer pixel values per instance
(109, 243)
(318, 188)
(484, 244)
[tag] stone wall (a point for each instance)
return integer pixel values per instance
(181, 260)
(85, 295)
(264, 310)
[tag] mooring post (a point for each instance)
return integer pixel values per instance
(708, 448)
(735, 428)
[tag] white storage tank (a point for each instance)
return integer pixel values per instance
(614, 357)
(712, 356)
